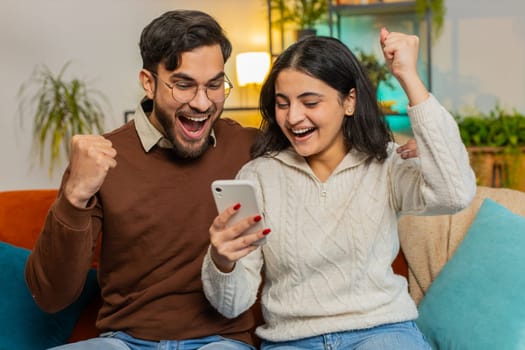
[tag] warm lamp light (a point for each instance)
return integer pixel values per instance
(252, 67)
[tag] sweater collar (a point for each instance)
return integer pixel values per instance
(289, 157)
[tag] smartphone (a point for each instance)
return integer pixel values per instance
(229, 192)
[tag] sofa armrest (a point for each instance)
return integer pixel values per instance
(428, 242)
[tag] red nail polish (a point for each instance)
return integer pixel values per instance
(266, 231)
(257, 218)
(236, 206)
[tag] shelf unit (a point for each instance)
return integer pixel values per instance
(337, 12)
(280, 27)
(277, 33)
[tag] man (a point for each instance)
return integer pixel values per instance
(145, 188)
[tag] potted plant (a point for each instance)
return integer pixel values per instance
(377, 70)
(437, 11)
(304, 14)
(59, 108)
(496, 145)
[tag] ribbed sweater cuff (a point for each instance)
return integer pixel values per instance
(71, 216)
(217, 275)
(419, 113)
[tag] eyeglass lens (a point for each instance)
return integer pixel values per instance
(217, 92)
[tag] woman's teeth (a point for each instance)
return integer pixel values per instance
(301, 131)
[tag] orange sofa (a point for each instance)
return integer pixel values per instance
(428, 243)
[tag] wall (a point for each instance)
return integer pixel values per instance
(100, 37)
(479, 59)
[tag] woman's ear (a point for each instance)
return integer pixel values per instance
(349, 103)
(148, 83)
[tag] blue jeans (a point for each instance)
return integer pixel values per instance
(123, 341)
(394, 336)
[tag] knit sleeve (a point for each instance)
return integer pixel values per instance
(441, 180)
(57, 267)
(234, 292)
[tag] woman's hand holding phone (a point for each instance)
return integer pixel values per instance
(239, 228)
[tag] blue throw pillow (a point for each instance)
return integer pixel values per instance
(478, 301)
(23, 326)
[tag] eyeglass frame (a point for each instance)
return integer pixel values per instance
(227, 92)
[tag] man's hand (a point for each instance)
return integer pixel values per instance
(91, 158)
(408, 150)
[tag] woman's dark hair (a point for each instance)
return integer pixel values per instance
(167, 37)
(329, 60)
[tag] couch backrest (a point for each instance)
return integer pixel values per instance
(429, 241)
(22, 214)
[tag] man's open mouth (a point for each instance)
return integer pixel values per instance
(193, 125)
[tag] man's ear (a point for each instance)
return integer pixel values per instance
(148, 83)
(349, 103)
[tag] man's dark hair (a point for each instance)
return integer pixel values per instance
(167, 37)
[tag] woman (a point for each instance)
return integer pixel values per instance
(332, 188)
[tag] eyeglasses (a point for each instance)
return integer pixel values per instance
(183, 91)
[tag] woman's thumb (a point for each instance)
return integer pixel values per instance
(382, 35)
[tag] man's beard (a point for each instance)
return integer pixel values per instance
(181, 149)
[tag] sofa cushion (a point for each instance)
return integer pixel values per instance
(476, 301)
(22, 324)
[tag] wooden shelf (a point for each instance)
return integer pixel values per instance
(375, 8)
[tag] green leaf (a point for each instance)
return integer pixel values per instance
(497, 129)
(302, 13)
(61, 108)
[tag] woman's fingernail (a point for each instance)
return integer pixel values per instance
(237, 206)
(257, 218)
(266, 231)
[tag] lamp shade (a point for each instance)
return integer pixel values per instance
(252, 67)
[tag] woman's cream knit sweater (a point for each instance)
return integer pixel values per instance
(327, 262)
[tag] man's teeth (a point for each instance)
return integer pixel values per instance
(195, 119)
(301, 131)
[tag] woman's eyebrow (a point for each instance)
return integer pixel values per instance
(302, 95)
(310, 94)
